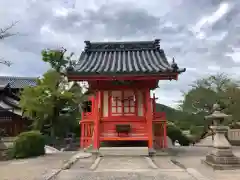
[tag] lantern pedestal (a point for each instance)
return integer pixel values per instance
(221, 157)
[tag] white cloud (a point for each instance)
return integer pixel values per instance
(203, 36)
(209, 20)
(61, 12)
(214, 68)
(235, 55)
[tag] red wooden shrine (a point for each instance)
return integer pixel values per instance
(121, 75)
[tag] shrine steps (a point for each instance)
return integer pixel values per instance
(123, 151)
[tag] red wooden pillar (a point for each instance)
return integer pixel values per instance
(96, 130)
(82, 134)
(136, 102)
(149, 117)
(154, 103)
(160, 140)
(165, 134)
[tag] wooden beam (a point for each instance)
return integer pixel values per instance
(149, 116)
(163, 76)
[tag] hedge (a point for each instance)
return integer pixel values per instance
(29, 144)
(174, 133)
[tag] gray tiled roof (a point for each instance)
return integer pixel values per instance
(17, 82)
(3, 86)
(142, 57)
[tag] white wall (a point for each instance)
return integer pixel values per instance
(105, 103)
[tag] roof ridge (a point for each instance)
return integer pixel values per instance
(121, 42)
(121, 45)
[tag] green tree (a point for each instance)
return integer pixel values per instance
(58, 59)
(207, 91)
(46, 103)
(231, 100)
(51, 104)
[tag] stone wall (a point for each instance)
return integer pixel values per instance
(234, 136)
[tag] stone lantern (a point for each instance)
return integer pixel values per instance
(221, 157)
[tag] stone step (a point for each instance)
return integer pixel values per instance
(123, 151)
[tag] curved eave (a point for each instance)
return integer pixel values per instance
(181, 70)
(87, 77)
(12, 102)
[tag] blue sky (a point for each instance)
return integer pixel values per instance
(203, 36)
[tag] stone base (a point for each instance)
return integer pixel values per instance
(95, 152)
(222, 162)
(124, 151)
(221, 166)
(222, 152)
(162, 152)
(151, 151)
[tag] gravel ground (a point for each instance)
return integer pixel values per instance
(33, 168)
(121, 175)
(118, 163)
(123, 168)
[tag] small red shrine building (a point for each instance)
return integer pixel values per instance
(121, 75)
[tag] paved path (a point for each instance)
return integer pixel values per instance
(191, 157)
(137, 168)
(33, 168)
(119, 168)
(124, 168)
(121, 175)
(123, 163)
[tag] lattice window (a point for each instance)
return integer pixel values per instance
(117, 105)
(129, 102)
(123, 103)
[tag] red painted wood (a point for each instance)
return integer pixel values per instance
(149, 118)
(109, 102)
(104, 127)
(136, 102)
(87, 132)
(122, 104)
(96, 121)
(161, 136)
(102, 103)
(138, 129)
(108, 85)
(163, 76)
(124, 138)
(124, 118)
(165, 135)
(82, 135)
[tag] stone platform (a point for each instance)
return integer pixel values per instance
(222, 160)
(123, 151)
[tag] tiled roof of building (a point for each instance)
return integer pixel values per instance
(3, 86)
(116, 58)
(17, 82)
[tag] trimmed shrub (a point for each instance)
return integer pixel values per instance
(196, 130)
(174, 133)
(29, 144)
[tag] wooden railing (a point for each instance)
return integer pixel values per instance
(86, 133)
(87, 115)
(159, 115)
(160, 129)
